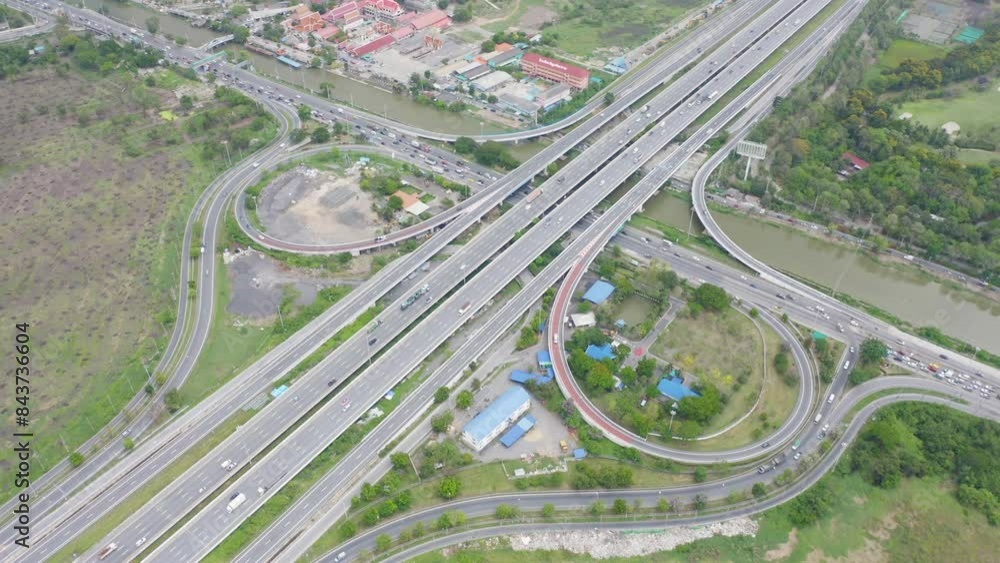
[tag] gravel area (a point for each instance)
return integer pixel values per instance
(258, 283)
(607, 544)
(310, 206)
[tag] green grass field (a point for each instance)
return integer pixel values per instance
(976, 112)
(99, 206)
(976, 156)
(718, 348)
(902, 49)
(589, 26)
(919, 522)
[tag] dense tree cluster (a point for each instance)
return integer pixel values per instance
(608, 477)
(873, 351)
(915, 190)
(961, 63)
(914, 440)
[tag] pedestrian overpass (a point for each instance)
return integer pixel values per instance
(216, 42)
(206, 60)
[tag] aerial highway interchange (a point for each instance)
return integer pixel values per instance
(621, 140)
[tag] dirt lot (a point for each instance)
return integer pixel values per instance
(259, 282)
(310, 206)
(84, 237)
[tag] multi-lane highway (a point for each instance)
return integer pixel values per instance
(628, 90)
(316, 438)
(513, 182)
(328, 483)
(477, 208)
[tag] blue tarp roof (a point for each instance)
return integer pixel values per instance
(279, 391)
(290, 62)
(579, 453)
(600, 352)
(499, 411)
(390, 395)
(674, 388)
(551, 373)
(599, 292)
(518, 376)
(519, 430)
(544, 359)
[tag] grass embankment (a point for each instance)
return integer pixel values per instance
(591, 25)
(100, 187)
(722, 349)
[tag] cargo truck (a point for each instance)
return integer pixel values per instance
(437, 169)
(235, 501)
(107, 550)
(534, 195)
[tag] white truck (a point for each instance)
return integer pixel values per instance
(437, 169)
(235, 501)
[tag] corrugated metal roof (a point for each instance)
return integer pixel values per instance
(599, 292)
(518, 431)
(501, 409)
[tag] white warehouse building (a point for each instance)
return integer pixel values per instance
(496, 418)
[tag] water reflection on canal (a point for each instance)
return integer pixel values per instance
(904, 292)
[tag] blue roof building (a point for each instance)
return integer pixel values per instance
(579, 453)
(518, 431)
(544, 359)
(674, 388)
(518, 376)
(617, 66)
(600, 352)
(599, 292)
(496, 418)
(279, 391)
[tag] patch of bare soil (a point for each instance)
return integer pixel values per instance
(785, 549)
(536, 16)
(310, 206)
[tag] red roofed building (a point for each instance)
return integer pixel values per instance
(327, 32)
(340, 11)
(437, 18)
(380, 43)
(537, 65)
(855, 161)
(402, 33)
(385, 10)
(306, 23)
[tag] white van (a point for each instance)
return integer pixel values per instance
(817, 419)
(847, 365)
(830, 400)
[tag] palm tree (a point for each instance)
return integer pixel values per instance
(325, 87)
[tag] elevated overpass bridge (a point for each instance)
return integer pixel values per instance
(216, 42)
